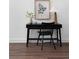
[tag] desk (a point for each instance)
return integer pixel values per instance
(40, 26)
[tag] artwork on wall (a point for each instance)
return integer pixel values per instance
(42, 8)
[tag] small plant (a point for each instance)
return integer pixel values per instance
(30, 15)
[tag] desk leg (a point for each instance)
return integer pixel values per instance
(60, 37)
(42, 43)
(57, 35)
(27, 37)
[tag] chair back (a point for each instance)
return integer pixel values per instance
(47, 24)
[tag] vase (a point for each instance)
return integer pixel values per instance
(31, 20)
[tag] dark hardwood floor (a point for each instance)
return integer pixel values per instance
(20, 51)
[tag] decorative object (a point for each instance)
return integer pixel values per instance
(42, 8)
(55, 15)
(30, 15)
(54, 10)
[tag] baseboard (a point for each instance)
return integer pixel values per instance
(23, 40)
(17, 40)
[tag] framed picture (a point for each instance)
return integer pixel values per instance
(42, 8)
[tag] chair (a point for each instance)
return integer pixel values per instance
(45, 32)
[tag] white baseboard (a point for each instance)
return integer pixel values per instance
(23, 40)
(17, 40)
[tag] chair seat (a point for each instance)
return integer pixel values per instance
(45, 32)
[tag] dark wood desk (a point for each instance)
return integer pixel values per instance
(40, 26)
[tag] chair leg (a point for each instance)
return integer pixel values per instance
(51, 37)
(53, 42)
(42, 43)
(38, 39)
(50, 41)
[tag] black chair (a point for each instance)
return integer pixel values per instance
(45, 32)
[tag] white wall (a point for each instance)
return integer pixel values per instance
(18, 19)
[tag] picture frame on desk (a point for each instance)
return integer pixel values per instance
(42, 9)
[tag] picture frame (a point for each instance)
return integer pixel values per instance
(42, 9)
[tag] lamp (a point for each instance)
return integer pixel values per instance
(53, 9)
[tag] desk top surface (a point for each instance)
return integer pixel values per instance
(43, 26)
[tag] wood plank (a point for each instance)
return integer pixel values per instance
(20, 51)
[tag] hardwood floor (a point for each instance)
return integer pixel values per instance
(20, 51)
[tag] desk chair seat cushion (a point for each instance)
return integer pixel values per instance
(45, 32)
